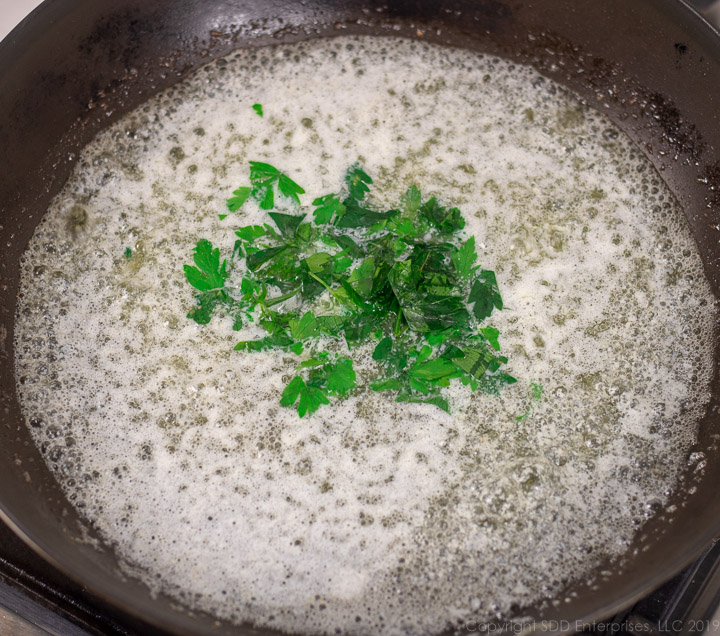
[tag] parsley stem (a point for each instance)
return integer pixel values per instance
(326, 286)
(260, 300)
(274, 301)
(398, 326)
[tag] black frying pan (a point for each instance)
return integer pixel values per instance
(74, 66)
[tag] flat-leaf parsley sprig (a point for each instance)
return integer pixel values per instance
(406, 279)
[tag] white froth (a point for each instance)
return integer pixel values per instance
(368, 516)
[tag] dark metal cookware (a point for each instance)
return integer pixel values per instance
(74, 66)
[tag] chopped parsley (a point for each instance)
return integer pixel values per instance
(536, 392)
(323, 379)
(265, 179)
(258, 109)
(127, 253)
(405, 279)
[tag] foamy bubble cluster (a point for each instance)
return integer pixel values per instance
(369, 516)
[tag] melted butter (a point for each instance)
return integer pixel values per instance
(369, 516)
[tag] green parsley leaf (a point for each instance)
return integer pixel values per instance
(341, 264)
(331, 325)
(435, 400)
(264, 178)
(350, 246)
(447, 220)
(475, 362)
(361, 277)
(287, 223)
(491, 335)
(208, 273)
(413, 201)
(383, 349)
(492, 383)
(485, 295)
(304, 328)
(341, 377)
(206, 304)
(465, 257)
(128, 253)
(357, 181)
(357, 216)
(311, 398)
(258, 109)
(278, 339)
(316, 262)
(289, 188)
(257, 259)
(234, 203)
(433, 370)
(250, 233)
(328, 207)
(292, 391)
(312, 362)
(391, 384)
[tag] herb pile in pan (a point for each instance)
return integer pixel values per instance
(406, 279)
